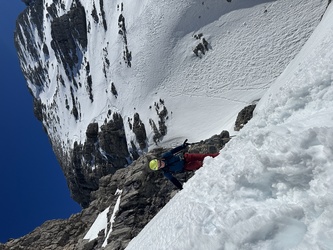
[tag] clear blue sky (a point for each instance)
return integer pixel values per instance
(33, 188)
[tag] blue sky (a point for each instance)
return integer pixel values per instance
(33, 188)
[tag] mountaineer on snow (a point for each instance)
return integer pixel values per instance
(173, 162)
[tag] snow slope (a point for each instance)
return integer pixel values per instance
(270, 188)
(250, 43)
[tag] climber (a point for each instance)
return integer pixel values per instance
(171, 163)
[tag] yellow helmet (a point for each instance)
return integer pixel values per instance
(153, 164)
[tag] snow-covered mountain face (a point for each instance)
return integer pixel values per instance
(111, 79)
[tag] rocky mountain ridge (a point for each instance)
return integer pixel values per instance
(143, 194)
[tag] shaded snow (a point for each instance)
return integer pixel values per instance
(270, 188)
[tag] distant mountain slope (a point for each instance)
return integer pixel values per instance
(111, 79)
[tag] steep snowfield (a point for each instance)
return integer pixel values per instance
(271, 186)
(250, 43)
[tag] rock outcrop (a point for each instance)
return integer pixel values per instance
(101, 154)
(244, 116)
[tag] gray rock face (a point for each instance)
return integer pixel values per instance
(102, 153)
(69, 33)
(244, 116)
(23, 35)
(53, 234)
(139, 131)
(144, 193)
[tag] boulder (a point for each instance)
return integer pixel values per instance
(244, 116)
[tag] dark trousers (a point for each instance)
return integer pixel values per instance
(194, 161)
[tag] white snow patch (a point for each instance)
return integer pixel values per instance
(102, 222)
(99, 224)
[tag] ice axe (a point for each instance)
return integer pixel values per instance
(185, 143)
(193, 143)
